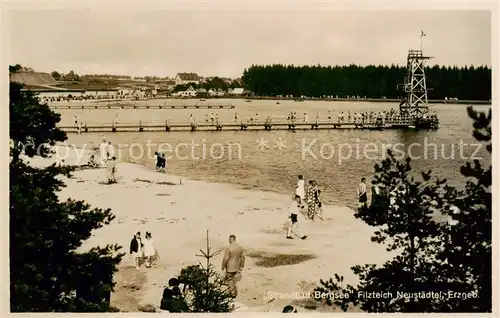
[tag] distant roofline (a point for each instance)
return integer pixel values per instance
(48, 90)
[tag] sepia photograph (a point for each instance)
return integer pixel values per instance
(245, 160)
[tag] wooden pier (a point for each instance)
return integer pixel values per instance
(128, 106)
(281, 125)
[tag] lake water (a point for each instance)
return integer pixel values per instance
(336, 159)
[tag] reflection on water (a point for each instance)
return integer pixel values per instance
(336, 159)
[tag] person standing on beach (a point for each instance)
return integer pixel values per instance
(300, 189)
(149, 250)
(136, 249)
(319, 210)
(311, 200)
(163, 162)
(375, 192)
(292, 226)
(111, 151)
(158, 161)
(111, 170)
(104, 151)
(363, 197)
(316, 199)
(233, 263)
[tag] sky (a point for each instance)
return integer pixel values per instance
(224, 43)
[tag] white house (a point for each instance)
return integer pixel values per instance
(190, 92)
(103, 94)
(186, 78)
(60, 94)
(236, 91)
(126, 91)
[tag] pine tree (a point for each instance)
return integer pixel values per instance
(431, 257)
(207, 290)
(47, 272)
(466, 253)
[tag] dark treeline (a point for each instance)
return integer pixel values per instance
(466, 83)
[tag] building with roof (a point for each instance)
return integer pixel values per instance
(238, 91)
(186, 78)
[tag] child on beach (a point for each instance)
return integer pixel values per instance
(319, 210)
(361, 190)
(300, 190)
(149, 250)
(104, 151)
(161, 162)
(292, 226)
(172, 299)
(111, 170)
(136, 249)
(92, 163)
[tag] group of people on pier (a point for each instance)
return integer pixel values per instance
(350, 117)
(357, 118)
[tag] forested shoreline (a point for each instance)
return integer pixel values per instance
(466, 83)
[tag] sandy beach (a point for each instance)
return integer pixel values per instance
(178, 214)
